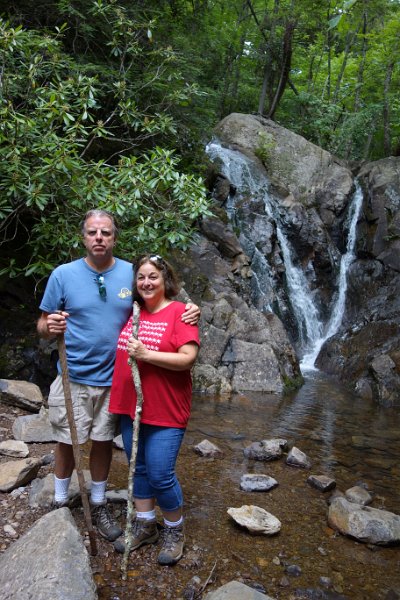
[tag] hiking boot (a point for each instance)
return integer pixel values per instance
(172, 548)
(105, 522)
(143, 532)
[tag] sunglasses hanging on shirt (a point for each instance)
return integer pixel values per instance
(99, 279)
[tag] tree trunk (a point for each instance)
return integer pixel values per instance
(286, 63)
(387, 145)
(360, 74)
(268, 50)
(350, 37)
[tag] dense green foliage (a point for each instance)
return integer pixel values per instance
(99, 98)
(73, 138)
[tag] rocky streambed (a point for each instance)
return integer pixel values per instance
(341, 439)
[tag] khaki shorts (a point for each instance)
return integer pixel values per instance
(91, 414)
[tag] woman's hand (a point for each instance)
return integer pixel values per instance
(136, 349)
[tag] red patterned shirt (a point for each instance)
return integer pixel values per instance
(166, 394)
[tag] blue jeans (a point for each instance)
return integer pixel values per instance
(155, 475)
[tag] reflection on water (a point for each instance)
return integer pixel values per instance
(347, 438)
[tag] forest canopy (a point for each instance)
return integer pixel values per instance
(109, 103)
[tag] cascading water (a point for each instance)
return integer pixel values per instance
(335, 320)
(248, 179)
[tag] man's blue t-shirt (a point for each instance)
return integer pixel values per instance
(94, 322)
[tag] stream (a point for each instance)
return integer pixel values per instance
(349, 439)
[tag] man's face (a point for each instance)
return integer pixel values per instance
(99, 237)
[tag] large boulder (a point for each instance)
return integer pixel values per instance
(313, 176)
(49, 562)
(366, 524)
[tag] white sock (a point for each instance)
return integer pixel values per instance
(173, 523)
(98, 492)
(148, 515)
(61, 487)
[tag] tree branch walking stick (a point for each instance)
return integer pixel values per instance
(75, 444)
(135, 437)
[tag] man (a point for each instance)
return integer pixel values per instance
(94, 299)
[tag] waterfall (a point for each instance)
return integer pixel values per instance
(304, 308)
(247, 177)
(336, 317)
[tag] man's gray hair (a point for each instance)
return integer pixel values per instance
(99, 212)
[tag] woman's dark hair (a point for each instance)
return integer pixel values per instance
(170, 279)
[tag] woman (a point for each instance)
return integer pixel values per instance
(165, 352)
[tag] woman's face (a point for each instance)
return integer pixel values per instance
(150, 283)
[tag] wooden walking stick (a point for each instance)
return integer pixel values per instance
(75, 444)
(135, 437)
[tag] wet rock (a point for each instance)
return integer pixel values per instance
(384, 372)
(42, 490)
(21, 393)
(255, 519)
(335, 494)
(33, 428)
(17, 473)
(358, 495)
(211, 379)
(317, 594)
(293, 570)
(366, 524)
(321, 482)
(297, 458)
(254, 482)
(49, 562)
(14, 448)
(363, 389)
(234, 590)
(266, 449)
(222, 234)
(206, 448)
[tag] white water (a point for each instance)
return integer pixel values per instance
(248, 179)
(336, 317)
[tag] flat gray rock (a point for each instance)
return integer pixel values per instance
(17, 473)
(14, 448)
(297, 458)
(234, 590)
(33, 428)
(266, 449)
(366, 524)
(322, 482)
(255, 482)
(358, 495)
(49, 562)
(21, 393)
(207, 448)
(42, 490)
(257, 520)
